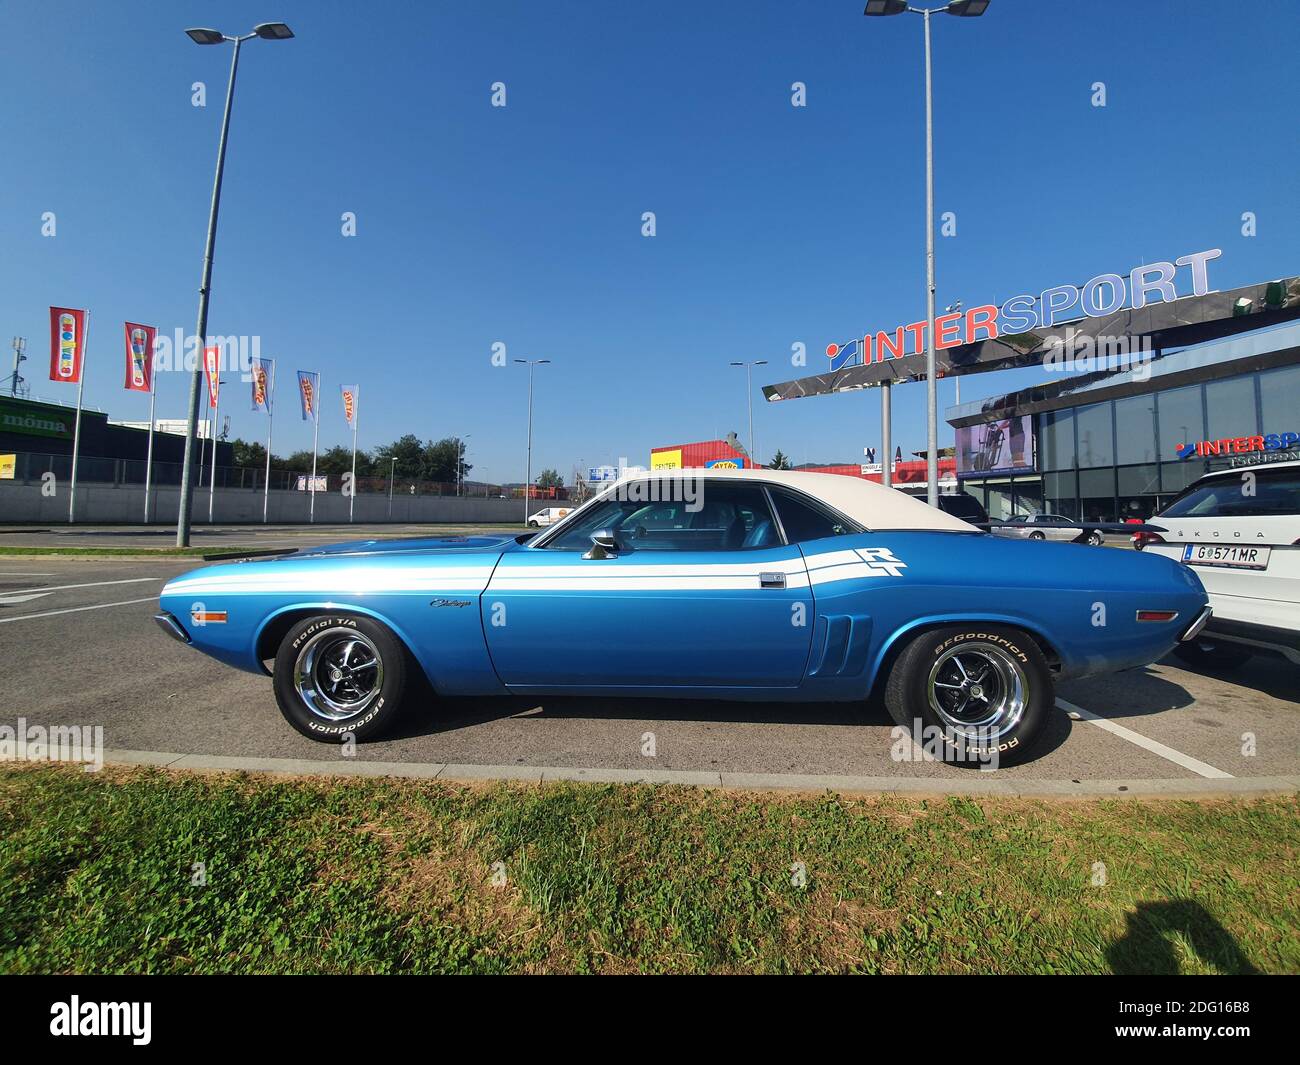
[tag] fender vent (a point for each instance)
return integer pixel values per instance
(839, 646)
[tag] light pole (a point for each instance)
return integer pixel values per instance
(749, 396)
(528, 466)
(392, 473)
(268, 31)
(962, 9)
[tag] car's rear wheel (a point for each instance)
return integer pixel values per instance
(1036, 535)
(1204, 652)
(340, 675)
(972, 694)
(1095, 539)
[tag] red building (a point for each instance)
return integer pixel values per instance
(706, 453)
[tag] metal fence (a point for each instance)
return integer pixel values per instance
(32, 467)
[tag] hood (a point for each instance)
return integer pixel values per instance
(440, 545)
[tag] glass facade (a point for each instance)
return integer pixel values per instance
(1118, 459)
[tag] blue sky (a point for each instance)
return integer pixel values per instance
(522, 224)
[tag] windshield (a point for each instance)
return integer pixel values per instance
(1253, 493)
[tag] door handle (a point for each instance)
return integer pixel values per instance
(771, 580)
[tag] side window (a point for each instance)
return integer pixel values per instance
(720, 516)
(803, 521)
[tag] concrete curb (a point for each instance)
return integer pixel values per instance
(979, 784)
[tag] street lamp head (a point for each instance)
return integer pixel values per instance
(542, 362)
(967, 8)
(885, 7)
(202, 36)
(761, 362)
(273, 31)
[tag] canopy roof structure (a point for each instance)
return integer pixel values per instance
(1179, 323)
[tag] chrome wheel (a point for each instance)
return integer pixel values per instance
(338, 673)
(978, 690)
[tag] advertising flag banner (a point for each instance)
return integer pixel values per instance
(307, 381)
(212, 367)
(261, 391)
(67, 344)
(139, 357)
(349, 402)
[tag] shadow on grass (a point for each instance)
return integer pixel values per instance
(1147, 946)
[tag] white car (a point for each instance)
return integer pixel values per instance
(1049, 527)
(1239, 530)
(549, 516)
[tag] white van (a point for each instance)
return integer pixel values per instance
(549, 516)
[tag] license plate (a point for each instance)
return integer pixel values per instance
(1223, 555)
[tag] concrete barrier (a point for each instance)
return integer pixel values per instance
(99, 504)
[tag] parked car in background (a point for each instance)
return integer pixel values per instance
(1239, 530)
(549, 516)
(1051, 527)
(965, 506)
(719, 584)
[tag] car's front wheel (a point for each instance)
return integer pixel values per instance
(1206, 653)
(1036, 535)
(1095, 539)
(972, 694)
(340, 675)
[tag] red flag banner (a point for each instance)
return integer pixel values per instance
(67, 344)
(349, 401)
(212, 367)
(139, 357)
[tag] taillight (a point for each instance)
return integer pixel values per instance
(1141, 539)
(1157, 615)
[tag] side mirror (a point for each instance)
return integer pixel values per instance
(603, 545)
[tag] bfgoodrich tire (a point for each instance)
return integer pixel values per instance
(972, 693)
(340, 675)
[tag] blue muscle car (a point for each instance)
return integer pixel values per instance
(732, 584)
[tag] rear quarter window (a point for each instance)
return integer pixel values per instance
(1250, 494)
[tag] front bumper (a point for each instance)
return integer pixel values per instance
(171, 627)
(1194, 629)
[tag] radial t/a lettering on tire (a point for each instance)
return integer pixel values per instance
(983, 692)
(338, 675)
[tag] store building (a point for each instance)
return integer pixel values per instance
(39, 436)
(1113, 446)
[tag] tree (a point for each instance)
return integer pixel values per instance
(549, 478)
(337, 459)
(408, 451)
(298, 462)
(779, 461)
(247, 454)
(440, 460)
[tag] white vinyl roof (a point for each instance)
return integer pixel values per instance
(870, 504)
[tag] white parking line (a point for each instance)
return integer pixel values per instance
(92, 584)
(1168, 753)
(75, 609)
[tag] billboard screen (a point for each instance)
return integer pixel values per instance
(1002, 446)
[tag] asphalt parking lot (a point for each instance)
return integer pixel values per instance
(80, 647)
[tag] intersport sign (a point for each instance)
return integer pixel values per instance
(1102, 295)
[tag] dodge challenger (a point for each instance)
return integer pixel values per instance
(726, 584)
